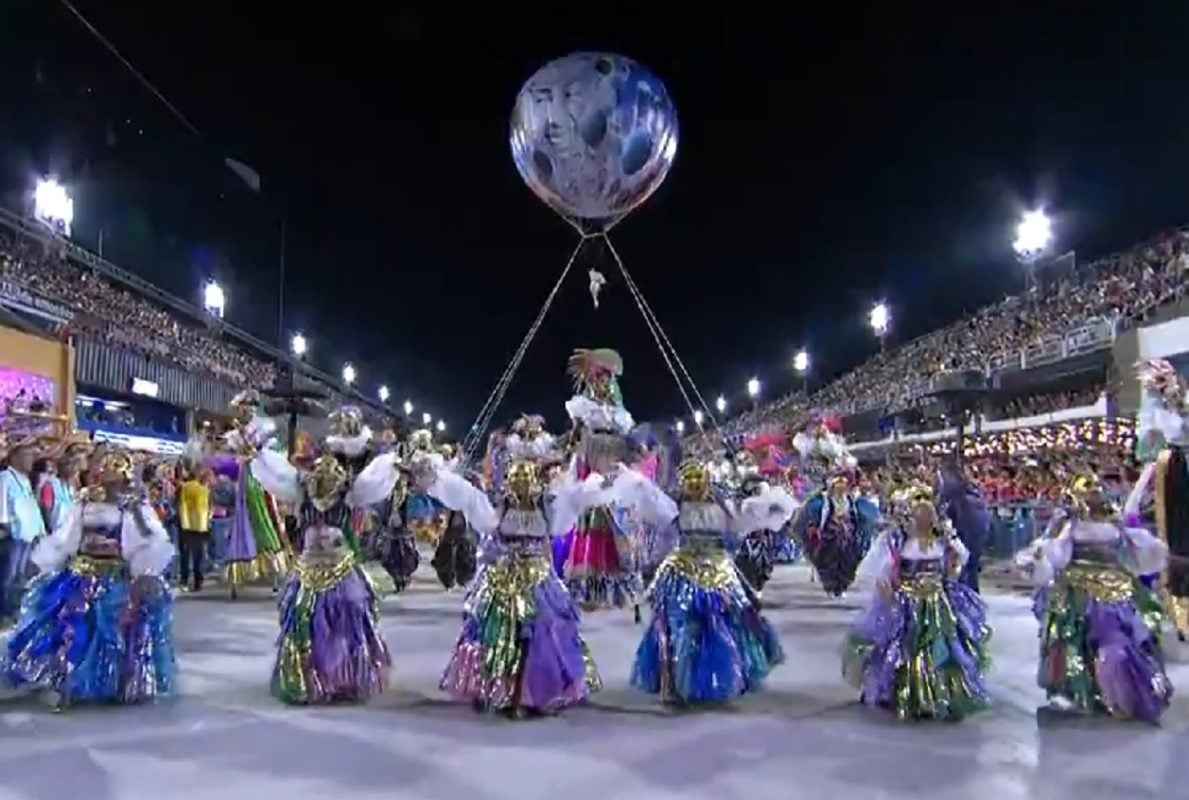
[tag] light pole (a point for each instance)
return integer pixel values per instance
(699, 418)
(214, 299)
(348, 374)
(408, 408)
(426, 418)
(53, 205)
(721, 404)
(801, 365)
(384, 395)
(441, 426)
(1034, 236)
(679, 426)
(753, 390)
(298, 346)
(880, 320)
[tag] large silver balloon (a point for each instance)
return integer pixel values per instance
(593, 135)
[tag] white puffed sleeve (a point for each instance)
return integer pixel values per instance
(880, 562)
(632, 489)
(1146, 554)
(572, 497)
(1131, 507)
(767, 511)
(374, 483)
(956, 554)
(5, 510)
(143, 541)
(1053, 555)
(458, 494)
(51, 552)
(277, 476)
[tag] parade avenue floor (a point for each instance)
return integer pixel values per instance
(804, 736)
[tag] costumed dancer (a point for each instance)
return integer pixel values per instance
(707, 641)
(599, 570)
(257, 545)
(330, 648)
(520, 651)
(454, 558)
(1099, 624)
(96, 623)
(834, 529)
(920, 649)
(528, 439)
(968, 512)
(394, 546)
(1162, 442)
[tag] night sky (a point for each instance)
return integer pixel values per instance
(827, 160)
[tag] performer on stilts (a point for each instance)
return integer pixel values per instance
(1100, 625)
(96, 625)
(258, 548)
(520, 652)
(1162, 443)
(920, 649)
(707, 641)
(599, 571)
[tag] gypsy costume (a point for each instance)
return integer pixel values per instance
(835, 530)
(257, 546)
(1099, 623)
(429, 521)
(921, 647)
(96, 625)
(599, 568)
(1162, 442)
(520, 650)
(707, 641)
(330, 648)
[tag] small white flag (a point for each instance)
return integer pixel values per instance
(596, 285)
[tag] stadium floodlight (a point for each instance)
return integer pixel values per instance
(1034, 234)
(679, 426)
(801, 361)
(426, 418)
(699, 417)
(880, 319)
(383, 394)
(441, 426)
(298, 345)
(721, 404)
(408, 408)
(53, 205)
(214, 299)
(348, 374)
(753, 388)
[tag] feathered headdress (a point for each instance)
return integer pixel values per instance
(596, 372)
(1160, 378)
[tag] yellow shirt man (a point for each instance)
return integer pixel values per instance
(194, 506)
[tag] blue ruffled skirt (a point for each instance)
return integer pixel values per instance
(93, 635)
(707, 641)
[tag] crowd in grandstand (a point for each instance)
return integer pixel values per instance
(121, 318)
(1115, 291)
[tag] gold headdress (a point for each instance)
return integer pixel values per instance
(693, 478)
(346, 421)
(421, 439)
(522, 483)
(115, 465)
(324, 481)
(245, 404)
(1086, 495)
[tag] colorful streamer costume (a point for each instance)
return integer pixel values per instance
(330, 648)
(520, 651)
(1163, 444)
(706, 641)
(599, 569)
(257, 546)
(920, 649)
(96, 623)
(1099, 623)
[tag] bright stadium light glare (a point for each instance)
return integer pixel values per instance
(426, 418)
(383, 394)
(753, 388)
(441, 426)
(801, 361)
(53, 205)
(408, 408)
(298, 345)
(699, 417)
(880, 319)
(721, 404)
(214, 299)
(679, 426)
(1034, 234)
(348, 374)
